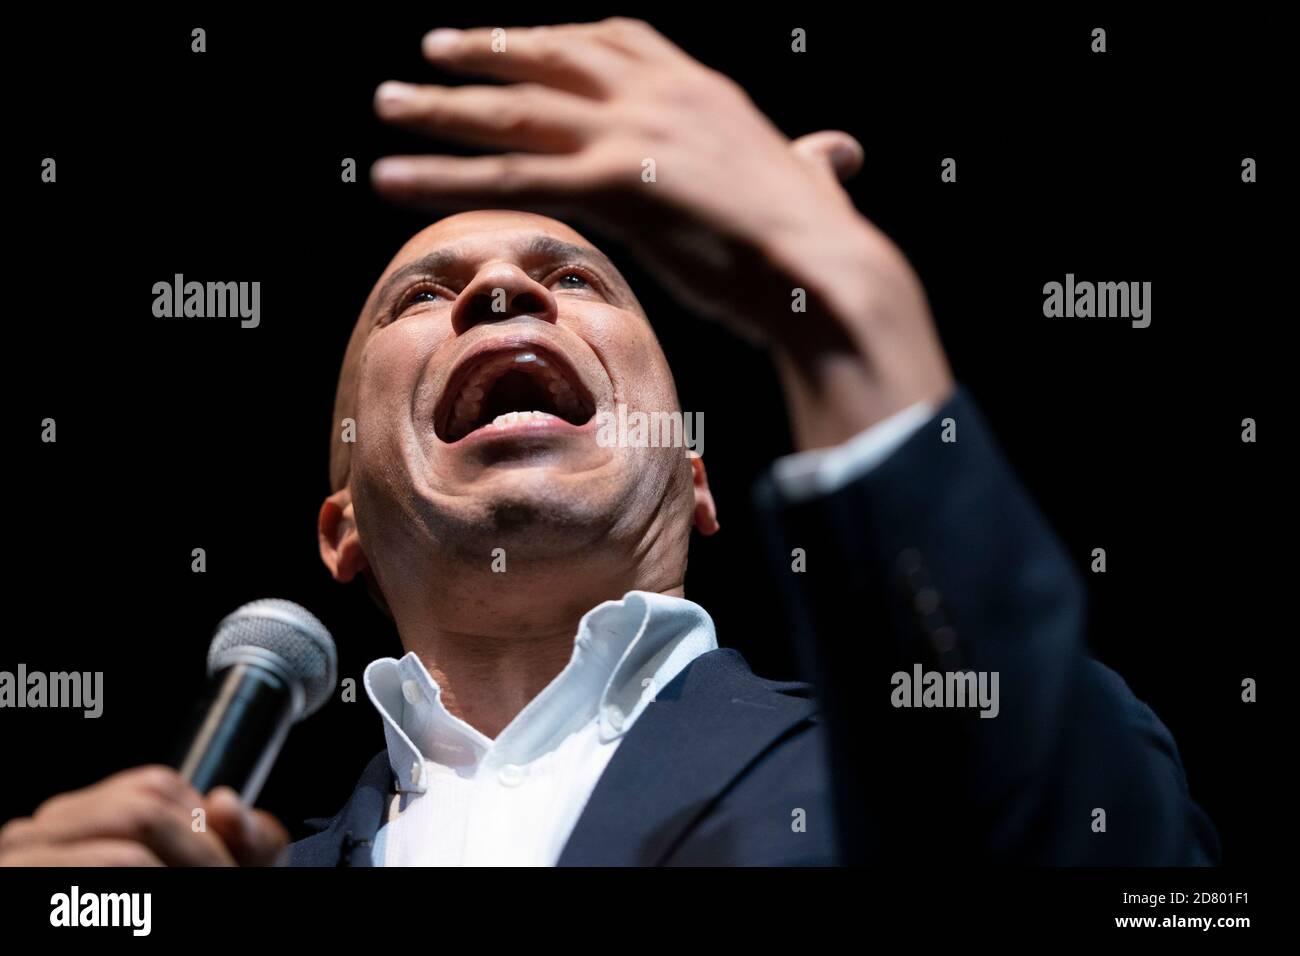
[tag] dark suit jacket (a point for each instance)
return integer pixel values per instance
(937, 557)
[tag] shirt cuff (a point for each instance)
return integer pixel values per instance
(823, 471)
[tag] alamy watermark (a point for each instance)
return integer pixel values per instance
(921, 688)
(83, 690)
(179, 299)
(75, 908)
(1101, 300)
(637, 429)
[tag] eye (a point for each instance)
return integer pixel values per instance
(417, 295)
(572, 280)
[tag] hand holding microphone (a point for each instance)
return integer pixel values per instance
(142, 817)
(271, 663)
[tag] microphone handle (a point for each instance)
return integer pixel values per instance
(250, 714)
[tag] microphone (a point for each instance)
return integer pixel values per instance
(271, 663)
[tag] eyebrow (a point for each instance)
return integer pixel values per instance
(540, 246)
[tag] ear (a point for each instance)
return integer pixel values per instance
(340, 545)
(706, 512)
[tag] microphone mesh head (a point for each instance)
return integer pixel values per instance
(290, 632)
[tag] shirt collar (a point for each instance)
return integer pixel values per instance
(624, 652)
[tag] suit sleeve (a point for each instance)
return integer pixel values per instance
(937, 558)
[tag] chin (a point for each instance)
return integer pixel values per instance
(530, 516)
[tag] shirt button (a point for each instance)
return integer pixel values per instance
(511, 775)
(411, 691)
(614, 715)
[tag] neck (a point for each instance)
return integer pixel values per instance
(491, 657)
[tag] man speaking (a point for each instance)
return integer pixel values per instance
(561, 701)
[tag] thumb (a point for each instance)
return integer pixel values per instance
(832, 151)
(254, 837)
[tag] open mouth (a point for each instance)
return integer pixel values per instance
(505, 387)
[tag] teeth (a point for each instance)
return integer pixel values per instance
(468, 405)
(513, 418)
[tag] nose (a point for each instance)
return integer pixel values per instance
(501, 290)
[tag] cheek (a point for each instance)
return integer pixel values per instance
(395, 360)
(649, 381)
(632, 354)
(391, 369)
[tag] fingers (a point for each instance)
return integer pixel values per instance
(831, 151)
(525, 116)
(441, 182)
(165, 782)
(254, 837)
(266, 842)
(86, 853)
(142, 817)
(163, 826)
(566, 57)
(81, 814)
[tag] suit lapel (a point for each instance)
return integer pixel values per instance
(703, 729)
(346, 838)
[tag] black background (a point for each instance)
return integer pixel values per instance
(177, 434)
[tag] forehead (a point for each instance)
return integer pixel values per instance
(483, 234)
(453, 249)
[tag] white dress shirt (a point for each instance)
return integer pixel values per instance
(464, 799)
(807, 474)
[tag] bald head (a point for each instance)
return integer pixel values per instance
(474, 379)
